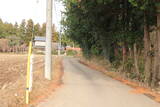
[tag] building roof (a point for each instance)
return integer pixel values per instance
(39, 38)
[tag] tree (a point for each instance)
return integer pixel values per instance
(29, 31)
(1, 29)
(43, 30)
(118, 30)
(22, 30)
(156, 70)
(37, 29)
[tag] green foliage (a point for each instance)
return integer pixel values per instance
(110, 28)
(55, 36)
(23, 33)
(29, 30)
(22, 30)
(37, 29)
(7, 29)
(95, 26)
(43, 30)
(117, 62)
(71, 53)
(55, 52)
(129, 64)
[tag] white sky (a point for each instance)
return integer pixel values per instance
(16, 10)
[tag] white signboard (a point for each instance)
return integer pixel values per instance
(38, 43)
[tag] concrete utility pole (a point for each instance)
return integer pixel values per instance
(48, 49)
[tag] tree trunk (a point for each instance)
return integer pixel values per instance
(105, 43)
(115, 51)
(124, 54)
(131, 53)
(155, 63)
(136, 59)
(156, 72)
(147, 69)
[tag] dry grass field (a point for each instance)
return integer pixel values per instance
(13, 69)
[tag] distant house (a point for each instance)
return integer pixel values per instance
(39, 42)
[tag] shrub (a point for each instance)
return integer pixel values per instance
(71, 53)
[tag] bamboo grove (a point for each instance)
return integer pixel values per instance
(124, 32)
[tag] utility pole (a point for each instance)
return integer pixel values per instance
(48, 49)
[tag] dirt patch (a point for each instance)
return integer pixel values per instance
(43, 88)
(13, 80)
(138, 89)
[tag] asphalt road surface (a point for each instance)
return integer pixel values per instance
(84, 87)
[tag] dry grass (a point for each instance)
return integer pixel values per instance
(13, 80)
(42, 87)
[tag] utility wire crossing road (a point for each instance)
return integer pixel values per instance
(84, 87)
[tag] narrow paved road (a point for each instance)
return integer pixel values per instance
(84, 87)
